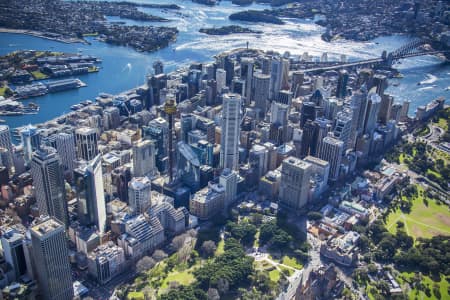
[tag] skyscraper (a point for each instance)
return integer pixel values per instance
(309, 138)
(308, 112)
(158, 130)
(48, 180)
(86, 140)
(144, 158)
(5, 142)
(260, 92)
(323, 127)
(13, 252)
(373, 107)
(228, 179)
(51, 257)
(294, 186)
(65, 145)
(341, 89)
(231, 119)
(139, 193)
(90, 193)
(31, 140)
(343, 127)
(221, 79)
(247, 74)
(331, 151)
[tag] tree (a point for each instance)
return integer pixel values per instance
(178, 241)
(257, 219)
(208, 248)
(159, 255)
(184, 293)
(315, 216)
(145, 264)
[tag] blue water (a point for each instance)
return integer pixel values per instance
(124, 68)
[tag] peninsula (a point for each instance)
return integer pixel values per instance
(256, 16)
(224, 30)
(72, 20)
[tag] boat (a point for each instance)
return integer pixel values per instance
(2, 121)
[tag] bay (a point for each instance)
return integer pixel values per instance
(124, 68)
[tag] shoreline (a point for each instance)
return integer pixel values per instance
(42, 35)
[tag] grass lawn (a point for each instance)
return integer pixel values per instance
(274, 275)
(291, 262)
(256, 242)
(286, 271)
(39, 75)
(427, 281)
(220, 246)
(135, 296)
(184, 278)
(438, 175)
(443, 123)
(422, 221)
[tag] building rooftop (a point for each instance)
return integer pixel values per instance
(47, 226)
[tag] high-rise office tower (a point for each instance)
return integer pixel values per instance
(404, 110)
(247, 74)
(31, 140)
(373, 107)
(238, 86)
(309, 137)
(158, 130)
(86, 141)
(13, 252)
(90, 193)
(51, 256)
(228, 179)
(341, 89)
(221, 79)
(229, 69)
(358, 102)
(385, 108)
(158, 67)
(5, 142)
(308, 112)
(260, 92)
(343, 127)
(294, 185)
(279, 113)
(275, 77)
(380, 83)
(297, 81)
(208, 71)
(323, 127)
(331, 151)
(331, 106)
(285, 97)
(285, 65)
(48, 180)
(65, 146)
(231, 120)
(258, 159)
(144, 158)
(139, 194)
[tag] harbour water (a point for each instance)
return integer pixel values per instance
(123, 68)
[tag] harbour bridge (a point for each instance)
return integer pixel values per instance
(411, 49)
